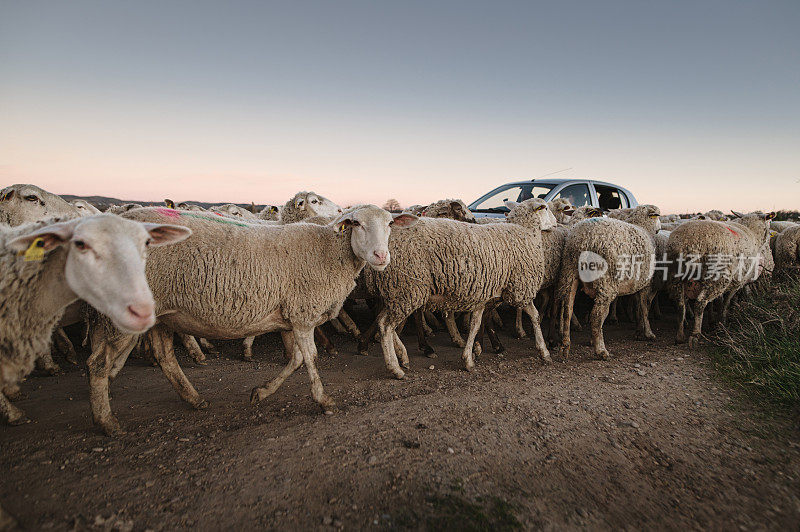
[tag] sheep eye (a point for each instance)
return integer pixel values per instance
(31, 198)
(355, 223)
(147, 242)
(81, 245)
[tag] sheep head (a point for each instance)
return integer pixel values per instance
(105, 262)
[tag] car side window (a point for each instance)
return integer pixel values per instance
(577, 194)
(610, 198)
(519, 193)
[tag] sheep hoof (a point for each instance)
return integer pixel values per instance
(603, 354)
(248, 358)
(72, 358)
(680, 339)
(332, 351)
(460, 343)
(694, 341)
(563, 351)
(405, 365)
(469, 367)
(649, 337)
(202, 405)
(112, 428)
(18, 418)
(432, 354)
(328, 405)
(399, 374)
(500, 349)
(258, 394)
(200, 361)
(363, 353)
(546, 358)
(52, 369)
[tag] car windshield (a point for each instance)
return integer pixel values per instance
(496, 202)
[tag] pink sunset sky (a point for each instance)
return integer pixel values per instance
(690, 106)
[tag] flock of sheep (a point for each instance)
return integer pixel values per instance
(145, 273)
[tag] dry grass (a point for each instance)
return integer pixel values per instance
(759, 347)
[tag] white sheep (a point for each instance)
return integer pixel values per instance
(24, 203)
(307, 204)
(46, 266)
(710, 259)
(456, 266)
(626, 250)
(233, 280)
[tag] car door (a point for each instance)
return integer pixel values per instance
(578, 194)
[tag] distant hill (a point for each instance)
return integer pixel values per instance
(104, 202)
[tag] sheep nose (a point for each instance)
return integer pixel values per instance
(340, 211)
(381, 256)
(141, 310)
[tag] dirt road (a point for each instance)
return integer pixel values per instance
(649, 439)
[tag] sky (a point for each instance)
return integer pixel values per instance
(690, 105)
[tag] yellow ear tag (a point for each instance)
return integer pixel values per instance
(35, 251)
(342, 227)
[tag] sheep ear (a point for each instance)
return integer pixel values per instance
(8, 195)
(299, 202)
(169, 203)
(273, 208)
(738, 214)
(770, 215)
(404, 220)
(163, 234)
(51, 236)
(510, 204)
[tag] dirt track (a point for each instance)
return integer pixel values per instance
(648, 439)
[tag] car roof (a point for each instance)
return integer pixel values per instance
(560, 181)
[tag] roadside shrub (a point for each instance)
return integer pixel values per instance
(759, 347)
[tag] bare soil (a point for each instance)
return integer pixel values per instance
(649, 439)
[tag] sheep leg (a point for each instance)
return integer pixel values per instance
(566, 317)
(575, 322)
(541, 346)
(452, 329)
(432, 321)
(105, 350)
(474, 324)
(424, 346)
(208, 346)
(10, 413)
(12, 392)
(322, 338)
(349, 324)
(644, 332)
(496, 319)
(387, 331)
(193, 348)
(612, 317)
(366, 338)
(46, 363)
(518, 324)
(337, 326)
(597, 318)
(400, 351)
(64, 345)
(655, 306)
(699, 307)
(680, 336)
(304, 339)
(260, 393)
(490, 331)
(164, 351)
(247, 344)
(726, 306)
